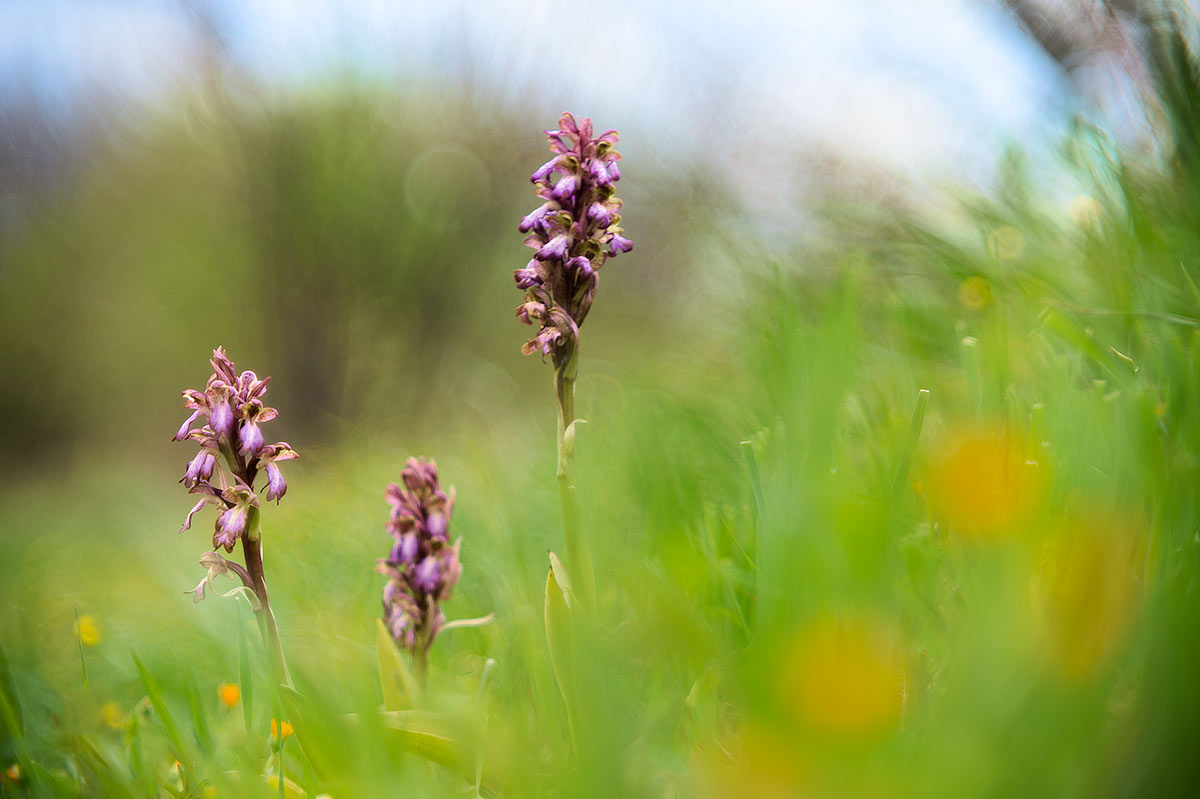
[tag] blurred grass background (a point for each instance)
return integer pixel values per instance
(1005, 605)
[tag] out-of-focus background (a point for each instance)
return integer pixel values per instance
(834, 205)
(330, 187)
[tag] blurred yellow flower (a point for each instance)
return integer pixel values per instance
(111, 716)
(1006, 243)
(229, 694)
(974, 292)
(757, 763)
(13, 772)
(1086, 590)
(277, 729)
(88, 630)
(983, 484)
(1084, 210)
(844, 677)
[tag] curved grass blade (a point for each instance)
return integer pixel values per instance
(165, 719)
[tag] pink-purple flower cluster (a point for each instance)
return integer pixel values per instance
(232, 452)
(573, 232)
(422, 566)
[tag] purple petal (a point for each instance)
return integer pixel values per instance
(221, 416)
(598, 214)
(199, 468)
(428, 573)
(555, 249)
(223, 367)
(183, 428)
(543, 172)
(599, 172)
(565, 189)
(187, 523)
(436, 525)
(405, 549)
(528, 277)
(534, 218)
(620, 244)
(581, 266)
(276, 485)
(251, 439)
(230, 526)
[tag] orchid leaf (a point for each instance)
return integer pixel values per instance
(400, 689)
(560, 637)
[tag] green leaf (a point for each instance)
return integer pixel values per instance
(58, 783)
(165, 720)
(315, 738)
(10, 709)
(560, 638)
(435, 737)
(97, 766)
(400, 689)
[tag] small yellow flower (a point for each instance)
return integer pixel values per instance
(983, 484)
(229, 694)
(758, 763)
(1087, 590)
(845, 677)
(111, 716)
(974, 292)
(278, 729)
(88, 630)
(13, 772)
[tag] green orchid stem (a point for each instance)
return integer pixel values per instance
(420, 661)
(578, 555)
(252, 551)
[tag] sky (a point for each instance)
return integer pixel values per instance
(931, 88)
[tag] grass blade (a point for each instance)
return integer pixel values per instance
(165, 720)
(904, 466)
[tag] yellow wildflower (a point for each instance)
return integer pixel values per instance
(88, 630)
(844, 677)
(974, 292)
(229, 694)
(283, 729)
(111, 716)
(983, 485)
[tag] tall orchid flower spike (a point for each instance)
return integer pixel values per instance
(573, 233)
(225, 471)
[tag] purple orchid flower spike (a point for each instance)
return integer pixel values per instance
(422, 566)
(573, 232)
(225, 473)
